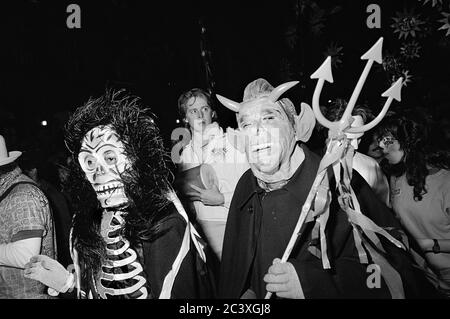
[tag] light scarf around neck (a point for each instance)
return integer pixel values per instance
(283, 175)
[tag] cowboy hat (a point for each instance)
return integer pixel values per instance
(5, 156)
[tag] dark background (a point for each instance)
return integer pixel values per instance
(154, 50)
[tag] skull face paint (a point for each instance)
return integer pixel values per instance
(103, 161)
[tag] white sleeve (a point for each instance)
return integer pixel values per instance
(228, 179)
(18, 253)
(227, 196)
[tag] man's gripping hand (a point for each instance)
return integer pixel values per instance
(282, 279)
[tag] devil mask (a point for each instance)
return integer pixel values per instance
(270, 128)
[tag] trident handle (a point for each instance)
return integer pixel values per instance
(305, 210)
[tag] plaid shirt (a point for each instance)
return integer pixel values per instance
(24, 213)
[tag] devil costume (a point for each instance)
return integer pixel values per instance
(335, 238)
(260, 223)
(131, 237)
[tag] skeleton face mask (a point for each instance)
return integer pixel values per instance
(103, 161)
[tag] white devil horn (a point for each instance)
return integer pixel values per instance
(280, 89)
(232, 105)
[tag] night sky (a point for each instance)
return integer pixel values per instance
(153, 50)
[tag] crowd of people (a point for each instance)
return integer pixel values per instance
(118, 219)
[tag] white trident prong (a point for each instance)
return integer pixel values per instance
(323, 73)
(374, 54)
(394, 92)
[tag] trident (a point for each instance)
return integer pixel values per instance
(323, 73)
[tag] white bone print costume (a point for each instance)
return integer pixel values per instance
(122, 266)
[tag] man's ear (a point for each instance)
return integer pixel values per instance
(304, 123)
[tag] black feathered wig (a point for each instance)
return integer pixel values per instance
(145, 182)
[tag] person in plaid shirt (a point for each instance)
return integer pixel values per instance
(26, 229)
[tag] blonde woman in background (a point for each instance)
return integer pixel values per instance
(210, 145)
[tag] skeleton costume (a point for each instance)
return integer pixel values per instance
(131, 237)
